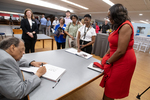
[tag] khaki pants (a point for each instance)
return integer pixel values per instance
(48, 33)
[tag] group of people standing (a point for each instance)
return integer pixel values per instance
(118, 63)
(83, 33)
(70, 25)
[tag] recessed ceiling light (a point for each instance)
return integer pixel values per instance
(45, 4)
(140, 14)
(144, 22)
(108, 2)
(75, 4)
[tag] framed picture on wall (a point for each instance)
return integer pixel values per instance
(140, 30)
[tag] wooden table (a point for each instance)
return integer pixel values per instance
(39, 37)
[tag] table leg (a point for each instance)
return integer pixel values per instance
(52, 44)
(43, 43)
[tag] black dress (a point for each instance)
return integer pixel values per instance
(29, 42)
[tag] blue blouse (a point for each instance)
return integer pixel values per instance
(60, 39)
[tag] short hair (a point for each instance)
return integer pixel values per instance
(28, 9)
(68, 11)
(63, 19)
(88, 15)
(119, 14)
(74, 16)
(7, 42)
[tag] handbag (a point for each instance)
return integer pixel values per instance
(72, 43)
(58, 31)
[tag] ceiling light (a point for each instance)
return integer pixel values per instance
(75, 4)
(108, 2)
(140, 14)
(106, 19)
(147, 20)
(144, 22)
(45, 4)
(132, 22)
(11, 13)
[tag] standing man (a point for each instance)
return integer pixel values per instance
(48, 26)
(105, 27)
(93, 25)
(38, 23)
(67, 18)
(43, 24)
(55, 22)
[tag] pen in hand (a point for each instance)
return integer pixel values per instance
(42, 64)
(56, 83)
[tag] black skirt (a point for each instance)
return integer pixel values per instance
(87, 49)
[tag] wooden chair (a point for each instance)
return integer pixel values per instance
(17, 31)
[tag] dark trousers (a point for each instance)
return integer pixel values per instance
(29, 45)
(60, 45)
(43, 28)
(87, 49)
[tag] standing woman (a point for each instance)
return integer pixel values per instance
(60, 39)
(86, 35)
(29, 27)
(71, 29)
(120, 60)
(97, 28)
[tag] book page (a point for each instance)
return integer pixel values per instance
(52, 72)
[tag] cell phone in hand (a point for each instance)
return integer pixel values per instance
(95, 66)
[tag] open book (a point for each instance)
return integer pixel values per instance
(81, 54)
(52, 72)
(95, 68)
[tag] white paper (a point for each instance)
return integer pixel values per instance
(52, 72)
(81, 54)
(95, 68)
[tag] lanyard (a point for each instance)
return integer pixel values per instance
(85, 34)
(85, 31)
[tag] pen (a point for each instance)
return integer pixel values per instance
(42, 64)
(56, 83)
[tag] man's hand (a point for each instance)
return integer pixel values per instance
(41, 71)
(37, 64)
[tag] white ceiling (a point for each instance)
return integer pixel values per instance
(97, 8)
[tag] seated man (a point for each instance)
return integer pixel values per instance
(12, 85)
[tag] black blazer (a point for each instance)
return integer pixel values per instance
(26, 28)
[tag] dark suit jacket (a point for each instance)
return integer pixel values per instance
(26, 28)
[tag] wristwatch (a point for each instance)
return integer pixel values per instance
(107, 63)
